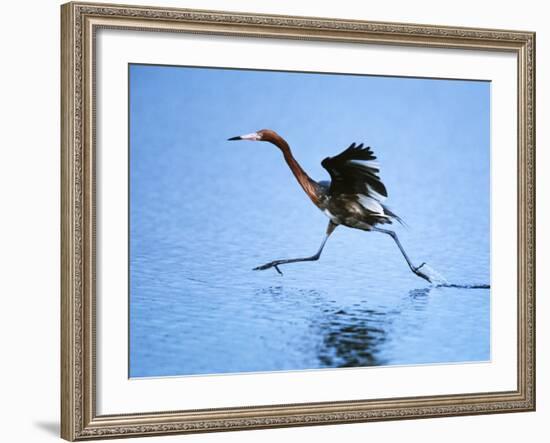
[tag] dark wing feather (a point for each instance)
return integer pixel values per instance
(350, 175)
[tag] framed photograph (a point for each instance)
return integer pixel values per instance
(283, 221)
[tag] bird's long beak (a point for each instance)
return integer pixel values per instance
(252, 137)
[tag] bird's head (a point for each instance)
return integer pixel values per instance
(263, 135)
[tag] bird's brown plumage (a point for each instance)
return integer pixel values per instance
(355, 194)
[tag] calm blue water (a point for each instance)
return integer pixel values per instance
(204, 212)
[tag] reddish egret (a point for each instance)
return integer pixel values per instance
(352, 198)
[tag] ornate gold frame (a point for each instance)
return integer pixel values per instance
(79, 420)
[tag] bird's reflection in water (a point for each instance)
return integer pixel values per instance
(350, 336)
(357, 337)
(352, 339)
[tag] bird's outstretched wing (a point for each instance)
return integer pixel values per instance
(354, 171)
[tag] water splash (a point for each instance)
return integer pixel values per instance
(435, 277)
(439, 281)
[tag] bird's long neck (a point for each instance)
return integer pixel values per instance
(309, 185)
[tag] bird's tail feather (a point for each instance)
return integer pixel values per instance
(394, 216)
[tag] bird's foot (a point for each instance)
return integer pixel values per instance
(418, 272)
(274, 264)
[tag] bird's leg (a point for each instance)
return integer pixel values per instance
(275, 264)
(415, 269)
